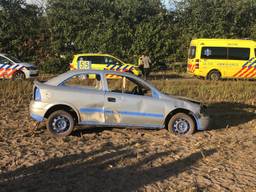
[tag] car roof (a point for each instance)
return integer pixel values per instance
(60, 78)
(64, 76)
(225, 42)
(93, 54)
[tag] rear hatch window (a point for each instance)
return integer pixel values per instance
(192, 52)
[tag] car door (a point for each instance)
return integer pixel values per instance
(85, 92)
(125, 106)
(5, 66)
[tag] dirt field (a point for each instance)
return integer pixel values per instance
(98, 159)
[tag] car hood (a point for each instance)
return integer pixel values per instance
(187, 99)
(182, 102)
(26, 64)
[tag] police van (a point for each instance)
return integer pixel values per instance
(214, 59)
(98, 61)
(12, 68)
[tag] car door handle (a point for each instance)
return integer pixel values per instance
(111, 99)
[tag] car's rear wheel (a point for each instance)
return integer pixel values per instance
(19, 75)
(60, 123)
(181, 124)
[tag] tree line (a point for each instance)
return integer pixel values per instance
(50, 35)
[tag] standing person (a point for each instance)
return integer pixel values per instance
(145, 60)
(141, 65)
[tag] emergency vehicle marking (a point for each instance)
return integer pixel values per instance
(122, 68)
(191, 67)
(248, 69)
(116, 67)
(6, 71)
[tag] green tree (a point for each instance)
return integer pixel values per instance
(214, 19)
(124, 28)
(19, 28)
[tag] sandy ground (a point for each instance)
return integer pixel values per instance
(98, 159)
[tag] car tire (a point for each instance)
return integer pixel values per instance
(19, 75)
(60, 123)
(214, 76)
(181, 124)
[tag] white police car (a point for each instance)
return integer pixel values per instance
(12, 68)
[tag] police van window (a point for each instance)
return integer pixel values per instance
(13, 59)
(238, 53)
(92, 59)
(4, 61)
(110, 60)
(214, 53)
(192, 52)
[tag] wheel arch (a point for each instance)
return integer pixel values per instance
(213, 70)
(180, 110)
(63, 107)
(18, 71)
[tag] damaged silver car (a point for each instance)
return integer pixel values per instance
(109, 98)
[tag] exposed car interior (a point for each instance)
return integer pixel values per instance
(122, 84)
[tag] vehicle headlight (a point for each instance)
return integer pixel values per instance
(37, 94)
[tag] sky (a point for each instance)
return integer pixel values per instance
(42, 2)
(38, 2)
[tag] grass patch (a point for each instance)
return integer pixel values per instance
(210, 91)
(202, 90)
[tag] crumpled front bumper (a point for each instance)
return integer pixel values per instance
(203, 122)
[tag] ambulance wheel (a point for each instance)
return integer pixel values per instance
(19, 75)
(60, 123)
(214, 75)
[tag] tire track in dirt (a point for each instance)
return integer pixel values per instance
(123, 159)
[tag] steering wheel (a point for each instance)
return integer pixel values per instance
(135, 90)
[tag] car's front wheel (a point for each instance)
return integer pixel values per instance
(60, 123)
(19, 75)
(181, 124)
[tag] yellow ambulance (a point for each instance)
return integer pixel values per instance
(98, 61)
(214, 59)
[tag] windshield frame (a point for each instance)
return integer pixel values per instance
(12, 58)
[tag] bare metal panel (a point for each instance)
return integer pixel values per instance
(99, 106)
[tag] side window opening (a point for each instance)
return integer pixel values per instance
(192, 52)
(239, 53)
(5, 61)
(214, 53)
(110, 60)
(85, 80)
(92, 59)
(14, 59)
(122, 84)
